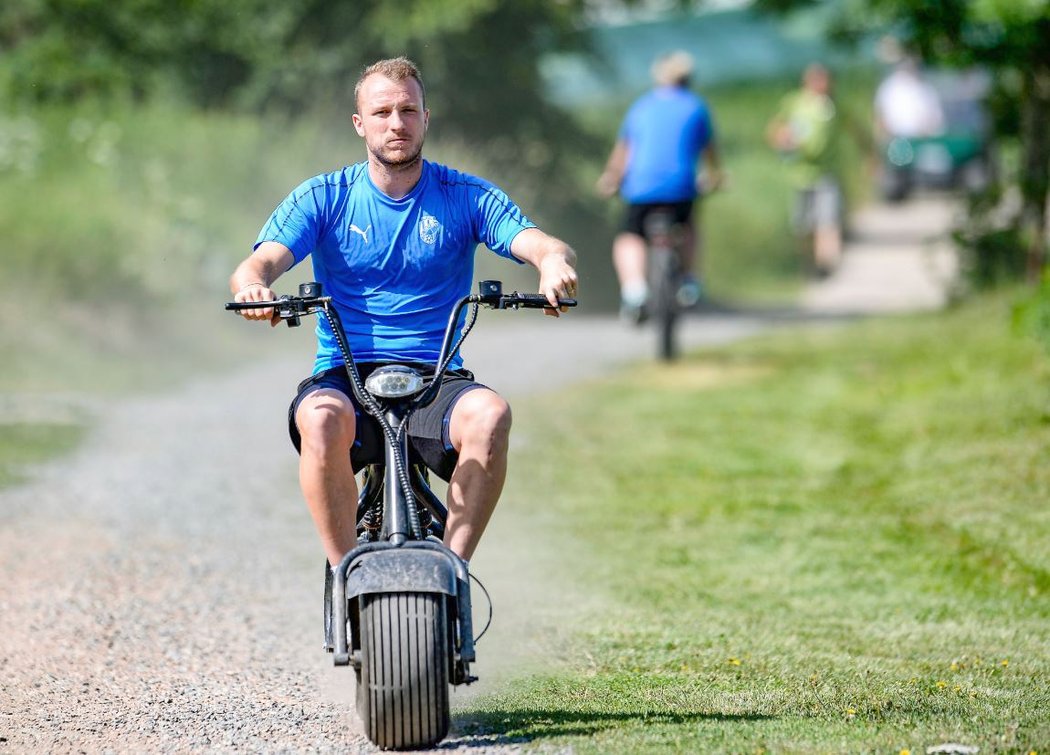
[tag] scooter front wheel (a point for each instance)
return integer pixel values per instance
(402, 690)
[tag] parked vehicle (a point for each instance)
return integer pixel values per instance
(962, 157)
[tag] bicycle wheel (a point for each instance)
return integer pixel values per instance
(663, 286)
(402, 690)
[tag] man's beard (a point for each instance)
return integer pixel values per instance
(400, 163)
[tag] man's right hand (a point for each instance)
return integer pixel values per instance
(252, 279)
(257, 292)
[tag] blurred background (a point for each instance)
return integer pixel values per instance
(143, 143)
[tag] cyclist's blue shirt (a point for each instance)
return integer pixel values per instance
(665, 129)
(393, 267)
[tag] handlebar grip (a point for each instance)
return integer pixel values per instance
(536, 301)
(238, 305)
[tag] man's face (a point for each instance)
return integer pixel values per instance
(391, 119)
(817, 80)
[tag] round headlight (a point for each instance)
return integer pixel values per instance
(395, 381)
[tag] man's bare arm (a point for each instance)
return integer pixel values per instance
(553, 258)
(252, 279)
(611, 178)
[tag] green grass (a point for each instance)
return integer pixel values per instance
(828, 540)
(23, 444)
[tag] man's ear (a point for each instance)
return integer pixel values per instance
(358, 124)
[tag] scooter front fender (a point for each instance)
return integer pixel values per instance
(401, 570)
(415, 566)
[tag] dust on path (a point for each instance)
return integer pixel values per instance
(161, 587)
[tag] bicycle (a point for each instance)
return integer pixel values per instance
(397, 608)
(664, 273)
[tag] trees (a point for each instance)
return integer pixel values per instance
(1012, 38)
(480, 60)
(268, 54)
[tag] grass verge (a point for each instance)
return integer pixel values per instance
(23, 444)
(829, 540)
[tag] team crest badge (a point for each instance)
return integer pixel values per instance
(428, 228)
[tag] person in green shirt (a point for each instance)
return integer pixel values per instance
(806, 131)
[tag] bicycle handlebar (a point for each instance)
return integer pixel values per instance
(311, 302)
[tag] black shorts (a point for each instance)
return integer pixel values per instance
(428, 438)
(634, 222)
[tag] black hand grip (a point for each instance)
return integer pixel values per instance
(238, 305)
(534, 301)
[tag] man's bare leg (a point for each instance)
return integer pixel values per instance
(327, 425)
(827, 247)
(479, 429)
(629, 260)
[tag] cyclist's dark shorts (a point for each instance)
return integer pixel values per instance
(636, 214)
(428, 439)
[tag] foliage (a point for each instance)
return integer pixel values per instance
(277, 59)
(268, 55)
(991, 248)
(819, 541)
(66, 50)
(994, 256)
(1032, 313)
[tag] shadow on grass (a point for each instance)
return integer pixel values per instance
(520, 725)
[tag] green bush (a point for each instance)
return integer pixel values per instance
(1032, 312)
(991, 256)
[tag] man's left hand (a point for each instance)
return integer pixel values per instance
(558, 280)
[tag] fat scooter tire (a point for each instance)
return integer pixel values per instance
(402, 689)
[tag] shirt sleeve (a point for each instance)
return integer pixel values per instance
(497, 219)
(297, 221)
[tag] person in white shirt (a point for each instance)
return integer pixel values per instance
(906, 105)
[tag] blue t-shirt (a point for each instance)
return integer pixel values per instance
(665, 129)
(393, 267)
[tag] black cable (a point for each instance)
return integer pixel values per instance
(488, 599)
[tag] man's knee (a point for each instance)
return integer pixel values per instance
(326, 419)
(480, 416)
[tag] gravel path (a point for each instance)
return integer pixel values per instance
(161, 587)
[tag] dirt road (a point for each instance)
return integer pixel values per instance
(161, 587)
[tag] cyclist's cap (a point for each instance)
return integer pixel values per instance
(673, 68)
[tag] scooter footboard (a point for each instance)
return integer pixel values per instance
(416, 566)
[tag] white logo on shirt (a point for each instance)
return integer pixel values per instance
(364, 233)
(428, 228)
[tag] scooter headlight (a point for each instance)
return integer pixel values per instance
(395, 381)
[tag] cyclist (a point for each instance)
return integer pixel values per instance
(653, 165)
(392, 240)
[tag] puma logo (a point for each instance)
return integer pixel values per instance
(364, 233)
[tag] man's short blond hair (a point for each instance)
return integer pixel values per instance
(395, 69)
(673, 69)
